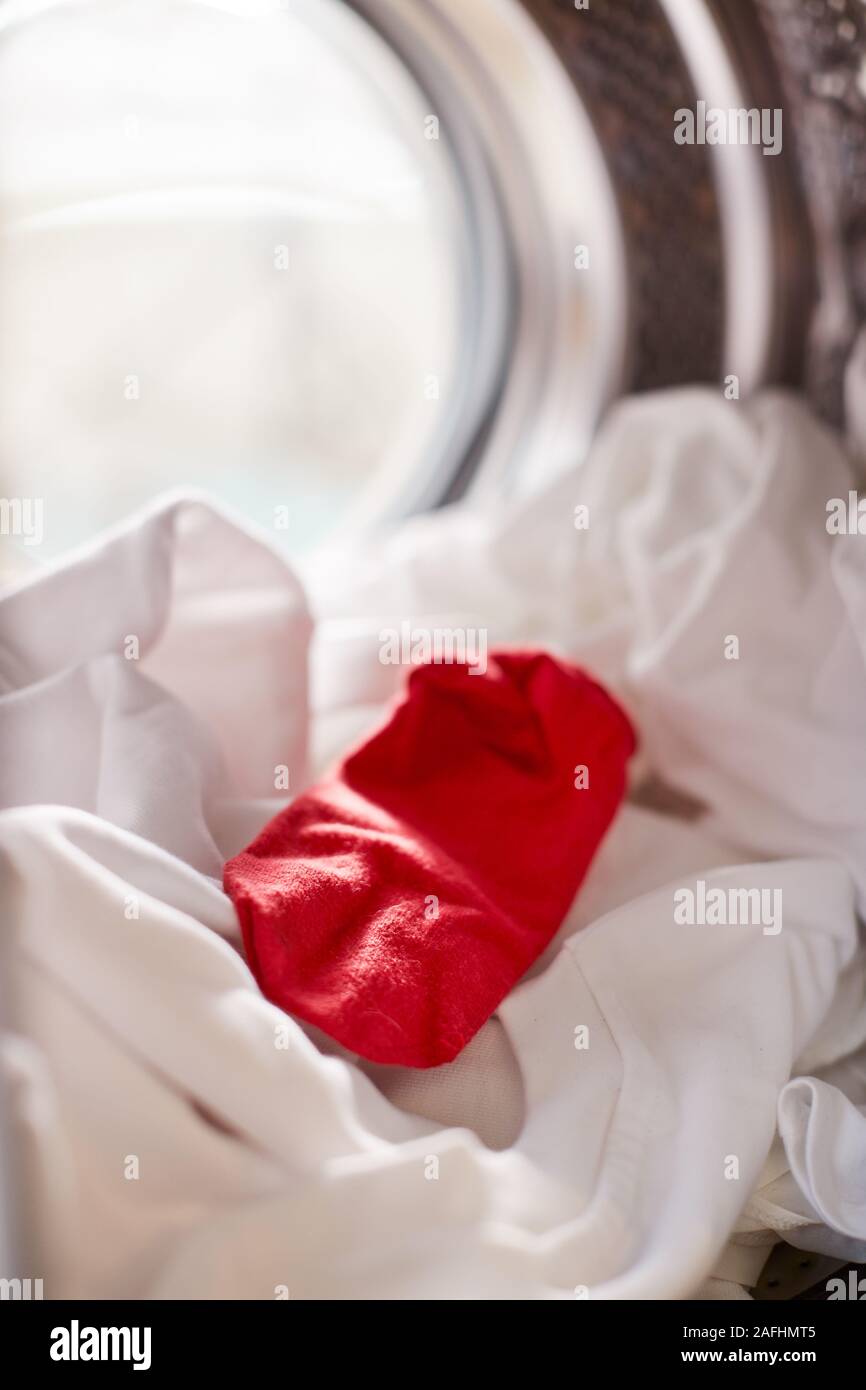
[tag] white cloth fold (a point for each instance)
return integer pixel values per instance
(210, 1149)
(156, 676)
(825, 1139)
(707, 520)
(228, 1163)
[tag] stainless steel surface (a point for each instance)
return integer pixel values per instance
(505, 99)
(819, 51)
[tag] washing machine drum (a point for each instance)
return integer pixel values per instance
(678, 191)
(340, 262)
(744, 215)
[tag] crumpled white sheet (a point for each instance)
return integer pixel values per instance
(264, 1168)
(157, 680)
(707, 520)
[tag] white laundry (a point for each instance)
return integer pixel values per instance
(621, 1168)
(707, 520)
(257, 1165)
(158, 679)
(825, 1137)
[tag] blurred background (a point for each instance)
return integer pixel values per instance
(229, 259)
(333, 262)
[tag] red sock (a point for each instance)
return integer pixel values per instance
(396, 904)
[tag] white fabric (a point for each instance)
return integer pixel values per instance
(158, 680)
(825, 1137)
(621, 1169)
(483, 1088)
(707, 520)
(617, 1181)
